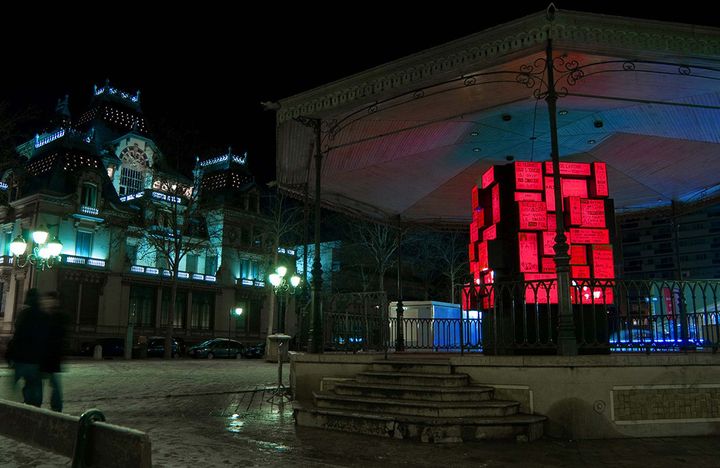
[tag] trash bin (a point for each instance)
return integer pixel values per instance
(275, 341)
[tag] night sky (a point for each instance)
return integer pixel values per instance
(203, 73)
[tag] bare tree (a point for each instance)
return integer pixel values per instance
(453, 255)
(380, 243)
(422, 255)
(283, 228)
(172, 225)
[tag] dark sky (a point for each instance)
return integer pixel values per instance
(203, 72)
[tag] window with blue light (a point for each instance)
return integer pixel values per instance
(8, 240)
(210, 264)
(191, 264)
(130, 181)
(83, 244)
(88, 196)
(131, 252)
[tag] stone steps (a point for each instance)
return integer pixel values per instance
(432, 430)
(408, 378)
(435, 409)
(414, 367)
(420, 400)
(414, 392)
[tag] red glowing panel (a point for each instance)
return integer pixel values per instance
(569, 168)
(548, 265)
(488, 177)
(589, 236)
(490, 233)
(474, 231)
(548, 240)
(593, 213)
(580, 271)
(671, 304)
(578, 255)
(550, 193)
(586, 294)
(533, 215)
(528, 196)
(602, 261)
(482, 255)
(479, 217)
(573, 211)
(574, 188)
(528, 176)
(475, 197)
(495, 204)
(469, 297)
(487, 277)
(472, 252)
(552, 221)
(599, 182)
(528, 249)
(542, 288)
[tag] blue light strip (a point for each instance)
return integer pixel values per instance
(75, 260)
(168, 198)
(224, 158)
(89, 210)
(168, 273)
(132, 197)
(51, 137)
(113, 91)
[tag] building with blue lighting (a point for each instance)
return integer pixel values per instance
(102, 187)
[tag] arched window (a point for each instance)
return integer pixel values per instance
(132, 172)
(88, 196)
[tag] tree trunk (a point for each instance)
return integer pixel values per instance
(171, 318)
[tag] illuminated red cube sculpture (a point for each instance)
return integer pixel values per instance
(514, 227)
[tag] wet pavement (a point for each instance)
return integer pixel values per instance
(222, 413)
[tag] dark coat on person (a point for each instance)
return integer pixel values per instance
(55, 348)
(31, 331)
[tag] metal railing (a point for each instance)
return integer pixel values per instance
(521, 318)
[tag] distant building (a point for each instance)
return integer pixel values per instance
(329, 260)
(662, 245)
(101, 185)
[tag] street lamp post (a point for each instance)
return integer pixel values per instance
(234, 312)
(43, 255)
(281, 286)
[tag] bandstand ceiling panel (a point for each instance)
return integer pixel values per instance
(410, 138)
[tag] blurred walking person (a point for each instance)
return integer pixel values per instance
(28, 348)
(51, 363)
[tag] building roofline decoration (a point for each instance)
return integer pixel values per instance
(223, 161)
(108, 90)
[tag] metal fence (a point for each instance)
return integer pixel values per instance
(522, 318)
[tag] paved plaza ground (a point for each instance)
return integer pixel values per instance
(215, 413)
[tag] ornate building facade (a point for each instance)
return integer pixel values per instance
(130, 226)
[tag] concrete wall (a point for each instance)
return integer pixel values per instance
(584, 397)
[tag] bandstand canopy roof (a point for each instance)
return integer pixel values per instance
(411, 137)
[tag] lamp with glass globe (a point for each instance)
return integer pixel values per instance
(282, 286)
(44, 254)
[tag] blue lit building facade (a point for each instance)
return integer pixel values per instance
(99, 184)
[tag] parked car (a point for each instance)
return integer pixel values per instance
(254, 351)
(156, 347)
(217, 347)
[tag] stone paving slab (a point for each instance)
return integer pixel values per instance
(216, 413)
